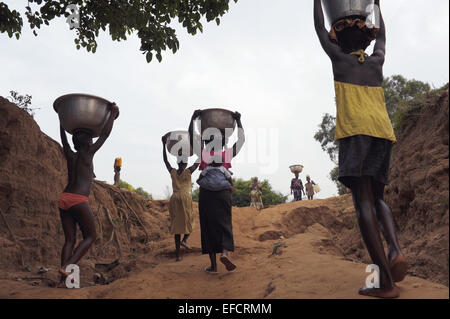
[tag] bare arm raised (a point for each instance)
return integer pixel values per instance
(195, 115)
(166, 161)
(329, 47)
(106, 129)
(379, 50)
(194, 166)
(66, 146)
(241, 136)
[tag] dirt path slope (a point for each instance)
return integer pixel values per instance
(311, 266)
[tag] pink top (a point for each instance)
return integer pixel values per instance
(227, 155)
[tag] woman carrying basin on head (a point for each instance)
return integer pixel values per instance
(216, 191)
(180, 204)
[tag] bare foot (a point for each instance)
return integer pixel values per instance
(185, 245)
(210, 270)
(399, 268)
(380, 293)
(227, 262)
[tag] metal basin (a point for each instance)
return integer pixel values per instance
(339, 9)
(82, 111)
(296, 168)
(217, 118)
(177, 140)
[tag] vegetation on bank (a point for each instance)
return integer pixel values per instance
(138, 190)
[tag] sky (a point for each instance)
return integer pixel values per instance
(264, 60)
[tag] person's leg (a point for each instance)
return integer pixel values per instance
(368, 224)
(83, 215)
(184, 242)
(70, 234)
(177, 246)
(397, 260)
(213, 267)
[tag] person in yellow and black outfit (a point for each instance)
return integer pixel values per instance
(365, 137)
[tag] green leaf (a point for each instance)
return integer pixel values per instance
(149, 57)
(149, 19)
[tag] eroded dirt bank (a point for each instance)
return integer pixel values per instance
(321, 256)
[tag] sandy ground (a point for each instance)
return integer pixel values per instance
(308, 267)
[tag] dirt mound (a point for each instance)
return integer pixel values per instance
(33, 175)
(418, 193)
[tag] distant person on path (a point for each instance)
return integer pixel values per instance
(365, 136)
(180, 203)
(73, 203)
(309, 186)
(256, 194)
(117, 168)
(215, 204)
(297, 188)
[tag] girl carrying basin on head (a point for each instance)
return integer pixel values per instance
(73, 204)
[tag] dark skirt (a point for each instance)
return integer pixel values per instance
(363, 155)
(215, 221)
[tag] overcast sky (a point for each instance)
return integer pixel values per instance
(264, 60)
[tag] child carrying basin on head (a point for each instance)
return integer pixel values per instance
(73, 204)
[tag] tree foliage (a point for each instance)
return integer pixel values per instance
(151, 19)
(325, 136)
(399, 91)
(22, 101)
(334, 175)
(241, 194)
(138, 190)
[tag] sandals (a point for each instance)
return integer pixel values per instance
(210, 271)
(227, 262)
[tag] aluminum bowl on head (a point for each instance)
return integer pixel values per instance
(180, 139)
(340, 9)
(217, 118)
(82, 111)
(296, 168)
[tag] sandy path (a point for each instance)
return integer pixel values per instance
(306, 268)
